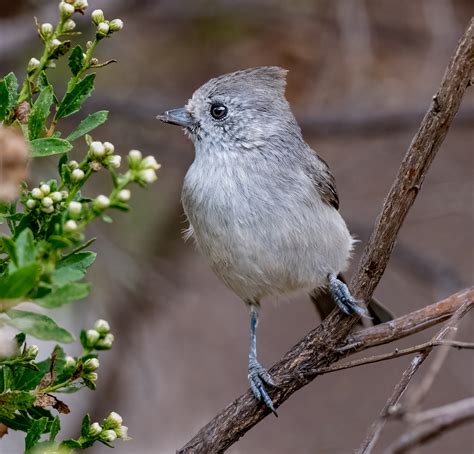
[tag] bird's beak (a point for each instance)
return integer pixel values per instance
(179, 117)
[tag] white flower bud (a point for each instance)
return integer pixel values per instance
(102, 202)
(103, 29)
(37, 193)
(124, 195)
(97, 149)
(51, 64)
(122, 432)
(69, 25)
(73, 165)
(70, 226)
(91, 376)
(74, 208)
(102, 326)
(109, 148)
(45, 189)
(64, 194)
(47, 202)
(66, 10)
(115, 25)
(150, 163)
(95, 429)
(70, 362)
(114, 419)
(92, 336)
(56, 196)
(134, 155)
(81, 4)
(33, 64)
(55, 43)
(147, 175)
(46, 30)
(30, 204)
(106, 342)
(77, 175)
(114, 161)
(97, 16)
(47, 210)
(108, 435)
(91, 364)
(32, 351)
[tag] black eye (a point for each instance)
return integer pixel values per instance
(218, 111)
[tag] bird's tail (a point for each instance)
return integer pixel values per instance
(324, 304)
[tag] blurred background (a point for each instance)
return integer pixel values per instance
(362, 74)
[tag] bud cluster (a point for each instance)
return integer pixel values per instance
(104, 27)
(110, 430)
(103, 153)
(45, 198)
(98, 338)
(143, 170)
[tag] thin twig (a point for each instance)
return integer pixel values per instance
(391, 407)
(434, 423)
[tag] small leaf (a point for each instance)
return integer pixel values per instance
(55, 428)
(49, 146)
(19, 283)
(34, 433)
(74, 99)
(11, 401)
(25, 248)
(72, 268)
(76, 60)
(3, 100)
(12, 87)
(61, 50)
(85, 426)
(63, 295)
(39, 113)
(38, 325)
(88, 124)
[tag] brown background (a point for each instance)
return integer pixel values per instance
(361, 75)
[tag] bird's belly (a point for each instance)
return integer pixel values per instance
(259, 246)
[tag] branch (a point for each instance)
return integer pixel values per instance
(319, 348)
(390, 406)
(433, 423)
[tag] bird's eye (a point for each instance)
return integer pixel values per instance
(218, 111)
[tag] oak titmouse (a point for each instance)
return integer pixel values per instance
(262, 205)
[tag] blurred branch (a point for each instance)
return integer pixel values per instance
(319, 348)
(390, 407)
(433, 423)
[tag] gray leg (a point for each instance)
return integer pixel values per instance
(258, 375)
(343, 298)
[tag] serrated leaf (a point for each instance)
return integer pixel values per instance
(38, 325)
(19, 283)
(74, 98)
(88, 124)
(34, 433)
(11, 401)
(12, 87)
(39, 113)
(76, 60)
(49, 146)
(63, 295)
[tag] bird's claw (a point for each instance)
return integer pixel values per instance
(343, 298)
(258, 376)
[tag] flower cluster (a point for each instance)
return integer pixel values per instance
(110, 429)
(98, 338)
(142, 170)
(103, 153)
(45, 198)
(104, 27)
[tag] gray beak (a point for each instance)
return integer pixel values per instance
(179, 117)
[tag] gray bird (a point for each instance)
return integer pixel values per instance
(262, 205)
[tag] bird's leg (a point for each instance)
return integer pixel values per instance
(343, 298)
(258, 375)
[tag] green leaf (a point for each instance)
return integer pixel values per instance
(43, 82)
(88, 124)
(12, 87)
(19, 283)
(34, 433)
(38, 325)
(11, 401)
(61, 50)
(72, 268)
(55, 428)
(85, 426)
(39, 113)
(49, 146)
(74, 99)
(3, 100)
(76, 60)
(25, 248)
(63, 295)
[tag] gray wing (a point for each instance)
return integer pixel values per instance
(319, 172)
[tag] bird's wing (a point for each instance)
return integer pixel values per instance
(319, 172)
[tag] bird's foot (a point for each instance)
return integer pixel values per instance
(343, 298)
(258, 376)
